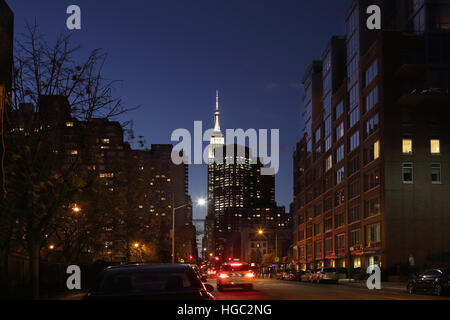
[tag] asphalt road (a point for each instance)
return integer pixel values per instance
(266, 289)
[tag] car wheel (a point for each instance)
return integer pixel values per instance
(411, 289)
(438, 290)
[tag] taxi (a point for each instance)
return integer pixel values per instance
(235, 274)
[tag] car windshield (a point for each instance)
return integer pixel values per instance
(148, 280)
(235, 267)
(329, 270)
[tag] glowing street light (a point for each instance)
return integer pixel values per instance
(51, 247)
(260, 231)
(76, 209)
(200, 202)
(136, 245)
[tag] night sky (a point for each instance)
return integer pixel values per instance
(172, 55)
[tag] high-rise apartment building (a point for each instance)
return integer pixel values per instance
(371, 174)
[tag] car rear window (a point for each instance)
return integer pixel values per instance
(148, 280)
(235, 267)
(329, 270)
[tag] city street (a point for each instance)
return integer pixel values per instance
(266, 289)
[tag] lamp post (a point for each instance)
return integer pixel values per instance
(200, 202)
(261, 232)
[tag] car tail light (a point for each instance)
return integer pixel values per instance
(223, 275)
(250, 275)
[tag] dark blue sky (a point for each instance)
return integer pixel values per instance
(172, 55)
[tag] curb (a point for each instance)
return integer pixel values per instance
(362, 284)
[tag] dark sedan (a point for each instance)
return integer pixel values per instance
(435, 281)
(151, 282)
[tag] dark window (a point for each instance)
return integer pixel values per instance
(372, 207)
(339, 220)
(354, 214)
(408, 173)
(371, 179)
(327, 204)
(354, 189)
(353, 165)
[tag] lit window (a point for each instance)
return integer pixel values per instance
(407, 171)
(328, 163)
(407, 146)
(435, 145)
(106, 175)
(69, 124)
(436, 173)
(105, 140)
(376, 150)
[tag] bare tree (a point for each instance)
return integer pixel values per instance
(37, 185)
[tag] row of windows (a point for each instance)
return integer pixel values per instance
(372, 239)
(407, 146)
(408, 173)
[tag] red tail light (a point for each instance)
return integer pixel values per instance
(250, 275)
(223, 275)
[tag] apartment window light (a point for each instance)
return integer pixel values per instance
(407, 146)
(376, 150)
(435, 146)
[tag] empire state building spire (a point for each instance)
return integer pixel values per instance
(217, 114)
(217, 138)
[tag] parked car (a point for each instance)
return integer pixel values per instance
(150, 282)
(199, 273)
(306, 276)
(294, 276)
(342, 273)
(325, 274)
(235, 274)
(435, 281)
(287, 276)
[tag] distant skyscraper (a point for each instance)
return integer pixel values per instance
(238, 195)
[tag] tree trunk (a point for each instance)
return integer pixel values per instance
(34, 249)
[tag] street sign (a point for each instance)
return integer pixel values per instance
(277, 259)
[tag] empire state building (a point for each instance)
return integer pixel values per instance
(237, 193)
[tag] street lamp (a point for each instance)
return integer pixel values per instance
(200, 202)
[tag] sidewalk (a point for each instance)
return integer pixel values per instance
(394, 286)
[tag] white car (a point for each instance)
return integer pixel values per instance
(326, 274)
